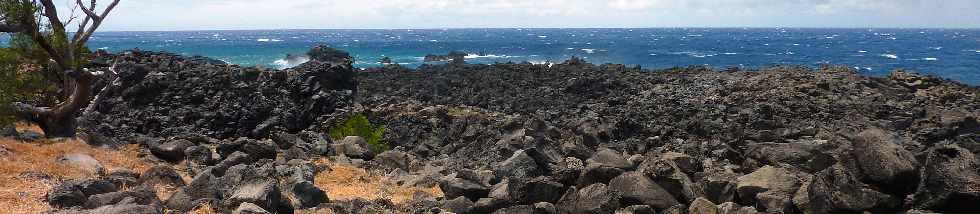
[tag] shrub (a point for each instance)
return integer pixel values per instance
(358, 125)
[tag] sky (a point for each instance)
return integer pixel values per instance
(151, 15)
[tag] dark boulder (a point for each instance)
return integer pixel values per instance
(200, 155)
(837, 190)
(636, 189)
(595, 198)
(76, 192)
(172, 150)
(950, 181)
(459, 205)
(354, 147)
(308, 194)
(527, 191)
(455, 187)
(770, 187)
(884, 163)
(519, 165)
(162, 175)
(141, 196)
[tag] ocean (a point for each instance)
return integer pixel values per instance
(948, 53)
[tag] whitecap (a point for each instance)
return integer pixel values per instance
(862, 51)
(930, 59)
(290, 61)
(589, 51)
(263, 40)
(474, 56)
(794, 44)
(730, 53)
(542, 37)
(433, 40)
(104, 48)
(653, 54)
(890, 56)
(569, 48)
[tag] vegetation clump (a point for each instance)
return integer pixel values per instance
(359, 125)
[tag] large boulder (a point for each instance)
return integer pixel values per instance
(172, 150)
(770, 187)
(76, 192)
(635, 188)
(837, 190)
(610, 158)
(141, 196)
(527, 191)
(354, 147)
(81, 161)
(519, 165)
(458, 205)
(265, 194)
(703, 206)
(455, 187)
(950, 181)
(884, 163)
(595, 198)
(162, 175)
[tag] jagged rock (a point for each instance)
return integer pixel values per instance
(595, 198)
(139, 196)
(123, 177)
(515, 209)
(720, 187)
(29, 136)
(703, 206)
(884, 163)
(836, 190)
(127, 209)
(776, 185)
(204, 186)
(308, 194)
(255, 149)
(637, 209)
(545, 208)
(82, 161)
(458, 205)
(162, 175)
(354, 147)
(265, 194)
(172, 150)
(733, 208)
(595, 173)
(519, 165)
(488, 205)
(456, 187)
(200, 155)
(231, 160)
(249, 208)
(634, 188)
(610, 158)
(527, 191)
(950, 181)
(76, 192)
(668, 171)
(392, 159)
(808, 155)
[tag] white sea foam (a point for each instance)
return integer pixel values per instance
(290, 61)
(263, 40)
(475, 56)
(589, 51)
(930, 59)
(542, 37)
(890, 56)
(730, 53)
(862, 51)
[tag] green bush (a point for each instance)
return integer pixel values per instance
(358, 125)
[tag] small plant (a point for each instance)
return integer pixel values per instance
(358, 125)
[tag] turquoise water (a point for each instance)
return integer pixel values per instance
(949, 53)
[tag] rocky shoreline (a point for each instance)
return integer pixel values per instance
(522, 138)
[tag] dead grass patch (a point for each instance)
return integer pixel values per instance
(20, 194)
(344, 182)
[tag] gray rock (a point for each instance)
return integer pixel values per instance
(545, 208)
(231, 160)
(127, 209)
(527, 191)
(488, 205)
(203, 186)
(458, 205)
(637, 209)
(610, 158)
(837, 190)
(172, 150)
(733, 208)
(455, 187)
(635, 188)
(81, 161)
(249, 208)
(123, 177)
(200, 155)
(354, 147)
(139, 196)
(392, 159)
(76, 192)
(162, 175)
(595, 198)
(308, 194)
(265, 194)
(702, 206)
(884, 163)
(776, 182)
(519, 165)
(596, 173)
(950, 181)
(516, 209)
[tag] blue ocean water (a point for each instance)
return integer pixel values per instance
(949, 53)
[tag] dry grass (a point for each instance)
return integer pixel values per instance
(205, 208)
(349, 182)
(25, 195)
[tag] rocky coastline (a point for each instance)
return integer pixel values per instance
(572, 137)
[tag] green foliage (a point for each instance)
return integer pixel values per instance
(15, 83)
(358, 125)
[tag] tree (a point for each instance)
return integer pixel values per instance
(39, 20)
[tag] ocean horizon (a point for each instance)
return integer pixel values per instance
(952, 53)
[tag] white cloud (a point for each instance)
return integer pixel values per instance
(265, 14)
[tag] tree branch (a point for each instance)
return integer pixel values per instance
(51, 12)
(81, 27)
(96, 20)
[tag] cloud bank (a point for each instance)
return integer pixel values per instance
(320, 14)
